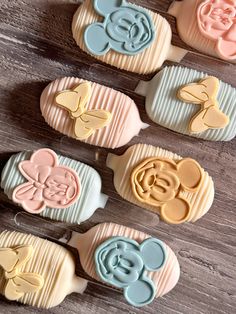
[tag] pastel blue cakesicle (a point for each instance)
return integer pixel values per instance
(27, 182)
(165, 107)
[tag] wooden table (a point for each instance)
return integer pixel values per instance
(36, 46)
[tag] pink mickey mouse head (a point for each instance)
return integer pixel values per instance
(49, 184)
(217, 21)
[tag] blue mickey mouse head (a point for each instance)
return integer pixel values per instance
(126, 28)
(123, 262)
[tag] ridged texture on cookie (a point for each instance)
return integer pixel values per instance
(164, 108)
(122, 166)
(165, 279)
(54, 263)
(125, 123)
(148, 61)
(90, 197)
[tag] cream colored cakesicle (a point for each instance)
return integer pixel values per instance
(158, 180)
(90, 112)
(40, 273)
(36, 272)
(142, 48)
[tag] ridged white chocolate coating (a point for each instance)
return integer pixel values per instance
(148, 61)
(90, 197)
(125, 123)
(122, 166)
(51, 261)
(165, 279)
(164, 107)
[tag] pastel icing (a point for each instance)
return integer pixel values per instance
(86, 122)
(160, 181)
(126, 29)
(217, 21)
(123, 117)
(48, 184)
(17, 282)
(146, 61)
(66, 198)
(36, 272)
(165, 107)
(123, 263)
(164, 278)
(205, 93)
(209, 27)
(199, 199)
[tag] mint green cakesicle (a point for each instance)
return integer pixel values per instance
(165, 107)
(81, 182)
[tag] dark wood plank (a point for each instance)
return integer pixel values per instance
(36, 46)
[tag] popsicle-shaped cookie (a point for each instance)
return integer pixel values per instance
(142, 266)
(191, 102)
(53, 186)
(124, 35)
(36, 272)
(153, 178)
(90, 112)
(209, 26)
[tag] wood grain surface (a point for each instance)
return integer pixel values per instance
(36, 47)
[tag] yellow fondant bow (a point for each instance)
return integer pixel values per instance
(86, 122)
(18, 283)
(205, 94)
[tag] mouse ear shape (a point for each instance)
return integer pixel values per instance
(44, 157)
(141, 292)
(105, 7)
(176, 211)
(96, 39)
(153, 254)
(190, 174)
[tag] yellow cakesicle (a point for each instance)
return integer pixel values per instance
(158, 180)
(146, 61)
(36, 272)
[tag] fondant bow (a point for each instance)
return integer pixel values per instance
(17, 283)
(86, 122)
(205, 94)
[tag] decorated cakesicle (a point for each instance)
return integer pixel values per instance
(209, 26)
(90, 112)
(191, 102)
(128, 259)
(53, 186)
(36, 272)
(124, 35)
(125, 259)
(176, 188)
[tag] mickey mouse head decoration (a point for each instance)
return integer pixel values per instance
(160, 182)
(123, 263)
(127, 28)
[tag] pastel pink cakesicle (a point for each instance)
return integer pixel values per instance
(90, 112)
(210, 27)
(48, 183)
(165, 279)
